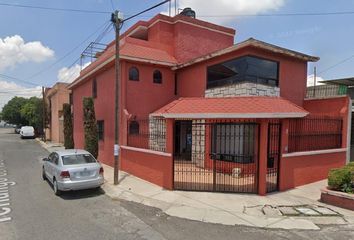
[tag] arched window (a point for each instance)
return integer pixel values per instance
(133, 74)
(133, 127)
(157, 76)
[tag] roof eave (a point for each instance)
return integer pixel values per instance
(231, 115)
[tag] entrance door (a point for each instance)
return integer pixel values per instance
(274, 131)
(183, 140)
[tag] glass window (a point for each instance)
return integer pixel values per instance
(100, 129)
(243, 69)
(133, 74)
(134, 127)
(234, 142)
(157, 76)
(78, 159)
(94, 88)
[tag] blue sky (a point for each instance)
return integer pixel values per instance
(329, 37)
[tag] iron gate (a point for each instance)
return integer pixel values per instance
(220, 157)
(273, 158)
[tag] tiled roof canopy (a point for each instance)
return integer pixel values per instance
(234, 107)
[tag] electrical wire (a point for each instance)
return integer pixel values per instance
(69, 52)
(337, 64)
(53, 8)
(17, 79)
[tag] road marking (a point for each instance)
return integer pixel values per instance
(5, 209)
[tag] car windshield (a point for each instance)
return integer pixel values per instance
(78, 159)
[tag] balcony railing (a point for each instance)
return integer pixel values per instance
(326, 91)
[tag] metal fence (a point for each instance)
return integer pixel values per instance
(326, 91)
(148, 134)
(219, 157)
(315, 133)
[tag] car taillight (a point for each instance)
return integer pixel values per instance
(101, 170)
(65, 174)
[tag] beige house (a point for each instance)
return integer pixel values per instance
(56, 97)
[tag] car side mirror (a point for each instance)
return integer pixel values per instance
(45, 159)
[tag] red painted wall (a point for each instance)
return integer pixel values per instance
(154, 168)
(144, 97)
(301, 170)
(292, 75)
(104, 109)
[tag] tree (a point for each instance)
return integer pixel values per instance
(68, 126)
(90, 127)
(11, 112)
(32, 112)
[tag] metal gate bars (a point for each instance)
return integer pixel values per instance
(273, 158)
(220, 157)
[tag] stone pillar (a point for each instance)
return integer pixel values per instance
(198, 142)
(284, 148)
(263, 152)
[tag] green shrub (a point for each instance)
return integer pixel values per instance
(341, 179)
(68, 127)
(90, 126)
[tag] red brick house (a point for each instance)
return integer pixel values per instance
(199, 112)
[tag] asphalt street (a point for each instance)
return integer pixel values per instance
(30, 210)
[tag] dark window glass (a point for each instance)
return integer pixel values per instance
(100, 130)
(157, 76)
(71, 100)
(134, 127)
(94, 88)
(234, 142)
(244, 69)
(133, 74)
(78, 159)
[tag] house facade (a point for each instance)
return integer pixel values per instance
(55, 98)
(199, 112)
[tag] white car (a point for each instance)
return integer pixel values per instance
(27, 132)
(72, 169)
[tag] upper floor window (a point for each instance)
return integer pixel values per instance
(133, 74)
(157, 76)
(133, 127)
(94, 88)
(243, 69)
(100, 129)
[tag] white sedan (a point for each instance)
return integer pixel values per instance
(72, 169)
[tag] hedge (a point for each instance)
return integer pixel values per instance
(342, 179)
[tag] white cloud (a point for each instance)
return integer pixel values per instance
(228, 7)
(9, 90)
(14, 50)
(311, 80)
(68, 75)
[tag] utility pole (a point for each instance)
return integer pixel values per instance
(44, 116)
(117, 21)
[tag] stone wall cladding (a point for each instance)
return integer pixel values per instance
(198, 142)
(157, 134)
(243, 89)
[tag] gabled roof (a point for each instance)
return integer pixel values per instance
(340, 81)
(232, 107)
(251, 42)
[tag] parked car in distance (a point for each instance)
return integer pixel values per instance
(17, 129)
(27, 132)
(72, 169)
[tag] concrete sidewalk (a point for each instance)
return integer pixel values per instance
(295, 209)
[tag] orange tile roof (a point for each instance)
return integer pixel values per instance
(232, 107)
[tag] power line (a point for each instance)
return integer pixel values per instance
(17, 79)
(146, 10)
(112, 5)
(69, 52)
(53, 8)
(337, 64)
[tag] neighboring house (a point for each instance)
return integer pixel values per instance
(55, 98)
(335, 88)
(200, 113)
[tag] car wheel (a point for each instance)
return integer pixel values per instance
(55, 188)
(44, 177)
